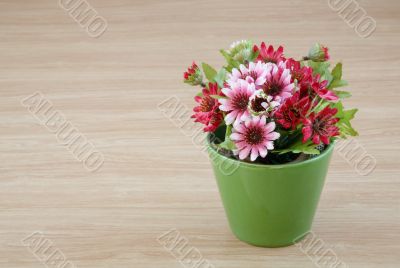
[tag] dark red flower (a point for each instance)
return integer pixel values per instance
(317, 87)
(320, 127)
(207, 112)
(300, 74)
(269, 55)
(321, 90)
(292, 111)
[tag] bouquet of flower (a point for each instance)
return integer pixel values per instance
(272, 106)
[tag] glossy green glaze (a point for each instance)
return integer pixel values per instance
(270, 205)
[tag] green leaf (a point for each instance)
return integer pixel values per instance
(327, 76)
(342, 94)
(254, 55)
(228, 144)
(217, 97)
(321, 68)
(299, 147)
(337, 77)
(220, 77)
(344, 124)
(321, 105)
(231, 62)
(338, 83)
(226, 55)
(337, 71)
(345, 114)
(209, 72)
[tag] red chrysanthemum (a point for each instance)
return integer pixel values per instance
(321, 90)
(207, 112)
(269, 54)
(293, 111)
(300, 74)
(317, 87)
(320, 127)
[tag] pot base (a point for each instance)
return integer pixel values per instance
(270, 245)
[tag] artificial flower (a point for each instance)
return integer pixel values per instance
(241, 51)
(261, 88)
(207, 112)
(193, 75)
(301, 74)
(255, 73)
(254, 137)
(237, 100)
(262, 104)
(321, 126)
(291, 113)
(318, 53)
(278, 82)
(269, 54)
(320, 88)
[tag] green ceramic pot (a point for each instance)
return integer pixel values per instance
(270, 205)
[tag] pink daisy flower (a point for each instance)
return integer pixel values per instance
(238, 96)
(278, 83)
(255, 73)
(254, 137)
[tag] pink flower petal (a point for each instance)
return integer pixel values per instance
(244, 153)
(236, 136)
(272, 136)
(239, 127)
(241, 144)
(269, 145)
(263, 120)
(270, 127)
(227, 92)
(263, 152)
(254, 154)
(230, 118)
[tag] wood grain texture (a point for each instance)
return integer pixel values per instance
(154, 178)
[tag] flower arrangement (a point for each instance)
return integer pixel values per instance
(273, 108)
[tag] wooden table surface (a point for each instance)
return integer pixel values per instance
(154, 178)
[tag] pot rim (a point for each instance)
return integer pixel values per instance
(286, 165)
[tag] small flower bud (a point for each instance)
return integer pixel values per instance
(193, 75)
(241, 51)
(318, 53)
